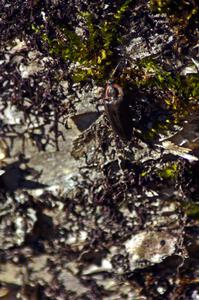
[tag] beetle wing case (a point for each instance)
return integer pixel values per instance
(118, 112)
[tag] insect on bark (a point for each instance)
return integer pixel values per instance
(117, 110)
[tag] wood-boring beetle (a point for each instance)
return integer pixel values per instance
(117, 110)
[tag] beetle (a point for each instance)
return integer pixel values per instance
(117, 110)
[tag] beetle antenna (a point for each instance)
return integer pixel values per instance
(116, 68)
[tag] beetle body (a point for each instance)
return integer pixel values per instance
(117, 110)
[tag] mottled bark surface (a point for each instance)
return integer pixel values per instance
(85, 214)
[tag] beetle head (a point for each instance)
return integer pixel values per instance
(113, 91)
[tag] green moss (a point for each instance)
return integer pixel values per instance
(192, 210)
(179, 11)
(144, 173)
(35, 28)
(151, 134)
(92, 55)
(163, 6)
(179, 93)
(181, 86)
(178, 90)
(190, 86)
(170, 171)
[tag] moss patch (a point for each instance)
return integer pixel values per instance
(181, 13)
(93, 53)
(170, 171)
(192, 210)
